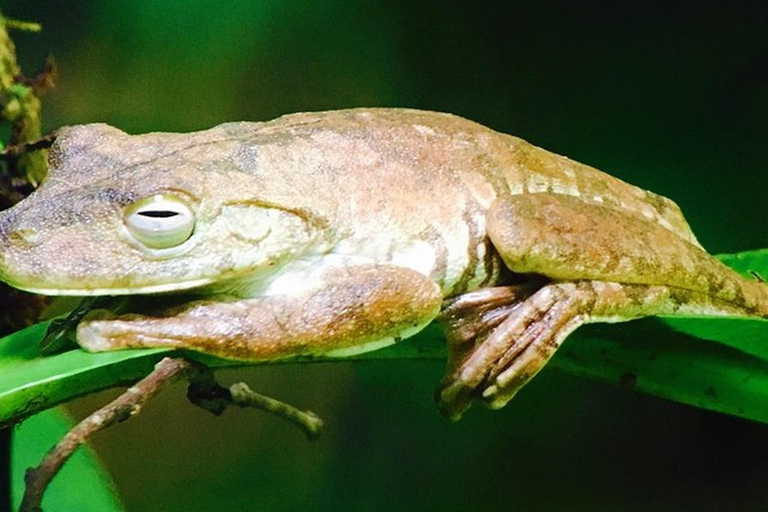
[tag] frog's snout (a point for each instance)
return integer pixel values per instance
(32, 257)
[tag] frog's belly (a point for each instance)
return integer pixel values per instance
(455, 267)
(455, 272)
(458, 258)
(446, 266)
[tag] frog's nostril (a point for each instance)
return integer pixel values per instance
(8, 220)
(14, 232)
(25, 236)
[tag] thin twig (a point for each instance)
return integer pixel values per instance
(24, 26)
(19, 149)
(308, 421)
(44, 80)
(123, 407)
(208, 394)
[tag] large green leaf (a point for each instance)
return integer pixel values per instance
(747, 336)
(32, 439)
(716, 364)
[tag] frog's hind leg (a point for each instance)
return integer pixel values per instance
(568, 238)
(514, 351)
(601, 265)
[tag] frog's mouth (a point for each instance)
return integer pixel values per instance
(99, 291)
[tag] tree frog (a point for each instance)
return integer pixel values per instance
(341, 232)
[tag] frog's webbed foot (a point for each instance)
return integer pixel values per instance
(507, 355)
(468, 319)
(604, 264)
(493, 332)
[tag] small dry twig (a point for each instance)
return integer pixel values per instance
(206, 393)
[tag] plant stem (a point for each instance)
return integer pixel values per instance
(5, 469)
(21, 108)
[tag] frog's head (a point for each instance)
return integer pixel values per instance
(122, 214)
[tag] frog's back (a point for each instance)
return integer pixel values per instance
(413, 187)
(430, 156)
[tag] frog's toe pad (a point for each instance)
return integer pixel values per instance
(102, 330)
(453, 398)
(91, 337)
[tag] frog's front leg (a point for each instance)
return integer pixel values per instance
(600, 264)
(355, 308)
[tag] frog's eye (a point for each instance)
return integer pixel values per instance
(160, 221)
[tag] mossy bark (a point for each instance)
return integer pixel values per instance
(20, 170)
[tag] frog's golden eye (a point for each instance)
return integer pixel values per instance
(160, 221)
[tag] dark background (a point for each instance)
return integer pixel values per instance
(670, 96)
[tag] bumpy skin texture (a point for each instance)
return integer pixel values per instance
(343, 231)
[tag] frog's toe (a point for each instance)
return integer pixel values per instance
(453, 397)
(473, 323)
(495, 396)
(479, 378)
(497, 367)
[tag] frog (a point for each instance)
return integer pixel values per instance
(330, 234)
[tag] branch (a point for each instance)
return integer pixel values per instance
(204, 392)
(123, 407)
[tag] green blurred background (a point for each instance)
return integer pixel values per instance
(672, 97)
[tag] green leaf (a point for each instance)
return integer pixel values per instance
(750, 336)
(29, 384)
(713, 363)
(32, 439)
(645, 355)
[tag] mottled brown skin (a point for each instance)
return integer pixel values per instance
(335, 231)
(375, 302)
